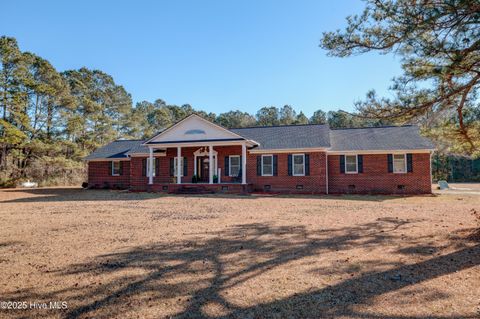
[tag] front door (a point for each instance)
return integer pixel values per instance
(203, 168)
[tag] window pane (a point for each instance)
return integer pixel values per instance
(267, 160)
(298, 159)
(116, 168)
(399, 163)
(298, 167)
(267, 165)
(154, 166)
(235, 160)
(351, 163)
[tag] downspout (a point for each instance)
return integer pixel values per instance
(326, 173)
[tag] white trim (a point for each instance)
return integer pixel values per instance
(288, 150)
(378, 152)
(293, 164)
(404, 163)
(356, 164)
(147, 154)
(199, 117)
(113, 167)
(261, 164)
(230, 165)
(202, 143)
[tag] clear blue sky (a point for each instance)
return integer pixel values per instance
(215, 55)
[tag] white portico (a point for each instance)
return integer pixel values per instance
(207, 139)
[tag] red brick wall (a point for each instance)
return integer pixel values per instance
(376, 179)
(314, 183)
(99, 175)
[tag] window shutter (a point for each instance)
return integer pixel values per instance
(144, 167)
(390, 163)
(121, 168)
(290, 165)
(226, 169)
(110, 168)
(240, 169)
(409, 163)
(172, 159)
(360, 163)
(185, 167)
(157, 167)
(342, 164)
(259, 165)
(307, 164)
(275, 165)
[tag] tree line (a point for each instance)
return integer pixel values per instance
(50, 120)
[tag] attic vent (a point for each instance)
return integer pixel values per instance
(192, 132)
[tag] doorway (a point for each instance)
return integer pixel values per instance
(203, 168)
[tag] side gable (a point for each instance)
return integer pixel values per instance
(192, 129)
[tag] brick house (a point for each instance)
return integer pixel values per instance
(195, 154)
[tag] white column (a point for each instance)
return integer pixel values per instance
(179, 165)
(195, 164)
(210, 164)
(244, 163)
(150, 168)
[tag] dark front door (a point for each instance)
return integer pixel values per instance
(203, 168)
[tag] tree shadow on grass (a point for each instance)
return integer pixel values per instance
(78, 195)
(202, 272)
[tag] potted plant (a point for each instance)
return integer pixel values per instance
(215, 179)
(194, 179)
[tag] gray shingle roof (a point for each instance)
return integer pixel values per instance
(287, 137)
(379, 138)
(115, 149)
(299, 137)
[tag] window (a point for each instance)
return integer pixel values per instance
(267, 165)
(298, 164)
(234, 168)
(175, 166)
(115, 168)
(399, 163)
(351, 164)
(154, 166)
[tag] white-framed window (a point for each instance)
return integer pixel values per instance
(154, 166)
(175, 161)
(234, 165)
(399, 163)
(351, 164)
(115, 168)
(298, 162)
(267, 165)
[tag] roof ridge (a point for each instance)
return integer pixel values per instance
(280, 125)
(127, 140)
(365, 127)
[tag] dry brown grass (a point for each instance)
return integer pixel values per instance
(116, 254)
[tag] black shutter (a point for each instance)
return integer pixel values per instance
(172, 159)
(307, 164)
(289, 164)
(185, 167)
(409, 163)
(226, 169)
(111, 168)
(390, 163)
(342, 164)
(360, 163)
(259, 165)
(121, 168)
(275, 165)
(144, 167)
(157, 167)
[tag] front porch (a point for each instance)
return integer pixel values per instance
(201, 188)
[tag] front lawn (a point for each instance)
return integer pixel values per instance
(119, 254)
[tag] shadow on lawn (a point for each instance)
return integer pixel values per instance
(78, 194)
(204, 270)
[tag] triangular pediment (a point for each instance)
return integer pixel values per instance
(193, 128)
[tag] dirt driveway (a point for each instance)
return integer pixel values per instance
(127, 255)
